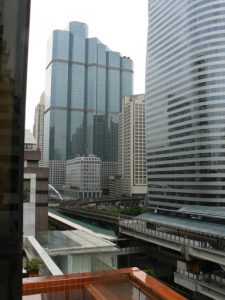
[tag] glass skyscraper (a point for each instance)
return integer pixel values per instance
(185, 103)
(85, 82)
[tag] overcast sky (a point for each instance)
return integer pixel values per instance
(119, 24)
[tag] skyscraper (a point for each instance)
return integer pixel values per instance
(131, 145)
(85, 82)
(185, 103)
(38, 128)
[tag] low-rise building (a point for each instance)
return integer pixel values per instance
(77, 251)
(83, 177)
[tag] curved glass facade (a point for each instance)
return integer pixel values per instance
(185, 103)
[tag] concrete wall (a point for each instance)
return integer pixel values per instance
(37, 178)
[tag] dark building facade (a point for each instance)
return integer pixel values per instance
(14, 25)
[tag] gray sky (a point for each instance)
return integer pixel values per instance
(119, 24)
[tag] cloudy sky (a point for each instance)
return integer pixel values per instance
(119, 24)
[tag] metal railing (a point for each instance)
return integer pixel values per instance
(141, 226)
(195, 276)
(218, 279)
(215, 279)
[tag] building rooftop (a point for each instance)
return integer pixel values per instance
(72, 241)
(105, 233)
(192, 225)
(205, 211)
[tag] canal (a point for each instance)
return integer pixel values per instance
(94, 227)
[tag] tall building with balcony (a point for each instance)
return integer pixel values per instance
(38, 127)
(132, 147)
(185, 103)
(85, 82)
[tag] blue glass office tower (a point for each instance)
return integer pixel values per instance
(85, 82)
(185, 103)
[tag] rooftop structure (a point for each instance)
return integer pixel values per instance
(194, 225)
(72, 224)
(203, 211)
(77, 251)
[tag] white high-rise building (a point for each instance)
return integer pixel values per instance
(131, 145)
(57, 174)
(38, 128)
(83, 177)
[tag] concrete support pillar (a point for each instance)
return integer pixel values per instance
(184, 251)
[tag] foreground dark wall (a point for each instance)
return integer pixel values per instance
(14, 25)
